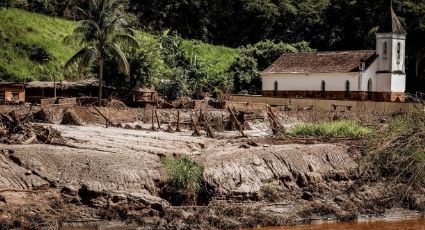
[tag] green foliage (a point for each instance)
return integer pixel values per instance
(233, 23)
(176, 86)
(190, 75)
(183, 174)
(342, 128)
(325, 24)
(24, 35)
(266, 52)
(216, 59)
(102, 35)
(398, 151)
(31, 45)
(245, 70)
(245, 75)
(146, 66)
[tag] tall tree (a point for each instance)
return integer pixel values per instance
(102, 33)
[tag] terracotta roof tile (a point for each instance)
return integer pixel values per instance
(322, 62)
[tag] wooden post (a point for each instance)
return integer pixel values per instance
(196, 131)
(157, 119)
(200, 116)
(238, 125)
(178, 121)
(153, 120)
(54, 87)
(108, 122)
(208, 128)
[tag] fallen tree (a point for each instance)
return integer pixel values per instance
(16, 130)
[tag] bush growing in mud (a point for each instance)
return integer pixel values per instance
(183, 175)
(398, 151)
(343, 128)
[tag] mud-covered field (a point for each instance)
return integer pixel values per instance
(115, 174)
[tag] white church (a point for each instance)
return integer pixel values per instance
(353, 75)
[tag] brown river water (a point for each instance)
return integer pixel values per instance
(407, 224)
(384, 224)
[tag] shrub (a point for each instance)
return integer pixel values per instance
(399, 150)
(332, 129)
(183, 174)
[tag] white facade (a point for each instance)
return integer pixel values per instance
(385, 74)
(358, 81)
(391, 73)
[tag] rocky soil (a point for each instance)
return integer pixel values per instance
(115, 174)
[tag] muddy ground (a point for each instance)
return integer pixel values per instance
(115, 173)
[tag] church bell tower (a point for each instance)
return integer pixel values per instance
(390, 47)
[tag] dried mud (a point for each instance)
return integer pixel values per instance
(115, 174)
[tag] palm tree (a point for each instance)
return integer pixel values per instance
(101, 34)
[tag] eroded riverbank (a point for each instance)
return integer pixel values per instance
(116, 174)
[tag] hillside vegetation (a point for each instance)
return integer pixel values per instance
(32, 47)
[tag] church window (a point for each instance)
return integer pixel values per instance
(276, 88)
(362, 66)
(323, 88)
(347, 88)
(384, 50)
(369, 89)
(398, 51)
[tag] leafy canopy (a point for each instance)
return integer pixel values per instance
(102, 34)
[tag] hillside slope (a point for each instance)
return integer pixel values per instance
(31, 47)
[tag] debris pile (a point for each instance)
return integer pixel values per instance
(49, 115)
(116, 104)
(184, 103)
(16, 130)
(70, 118)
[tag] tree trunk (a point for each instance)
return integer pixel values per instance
(100, 81)
(54, 87)
(418, 63)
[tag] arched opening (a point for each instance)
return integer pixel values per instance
(369, 89)
(322, 88)
(275, 88)
(398, 52)
(384, 50)
(347, 88)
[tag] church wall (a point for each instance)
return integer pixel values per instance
(310, 82)
(384, 60)
(398, 83)
(370, 73)
(383, 82)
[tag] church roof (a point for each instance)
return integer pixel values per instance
(322, 62)
(390, 23)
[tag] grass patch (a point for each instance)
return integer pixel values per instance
(21, 33)
(183, 174)
(343, 128)
(217, 58)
